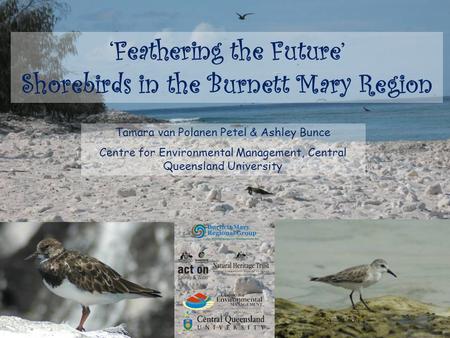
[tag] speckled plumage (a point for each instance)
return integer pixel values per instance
(88, 274)
(73, 275)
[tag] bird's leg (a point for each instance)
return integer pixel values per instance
(362, 301)
(84, 315)
(351, 299)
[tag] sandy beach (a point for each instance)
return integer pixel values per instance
(41, 180)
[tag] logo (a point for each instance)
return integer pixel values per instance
(198, 231)
(241, 256)
(185, 257)
(240, 301)
(187, 323)
(223, 232)
(198, 302)
(191, 270)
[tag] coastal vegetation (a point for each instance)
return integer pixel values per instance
(46, 54)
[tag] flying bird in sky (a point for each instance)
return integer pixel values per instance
(243, 16)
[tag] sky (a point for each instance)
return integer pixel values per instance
(287, 15)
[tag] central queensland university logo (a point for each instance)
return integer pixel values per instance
(199, 231)
(187, 324)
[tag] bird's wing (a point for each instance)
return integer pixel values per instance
(248, 14)
(356, 274)
(92, 275)
(238, 14)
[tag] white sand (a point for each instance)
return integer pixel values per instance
(40, 180)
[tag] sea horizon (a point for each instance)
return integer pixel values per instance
(384, 121)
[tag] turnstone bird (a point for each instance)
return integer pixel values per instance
(357, 277)
(84, 279)
(243, 16)
(257, 191)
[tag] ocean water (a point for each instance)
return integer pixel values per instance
(417, 251)
(384, 122)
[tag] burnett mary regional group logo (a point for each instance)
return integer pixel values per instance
(199, 231)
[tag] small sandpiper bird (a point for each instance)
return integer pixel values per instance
(357, 277)
(84, 279)
(257, 191)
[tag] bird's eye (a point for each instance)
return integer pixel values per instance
(383, 266)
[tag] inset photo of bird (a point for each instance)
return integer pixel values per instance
(362, 278)
(89, 277)
(83, 279)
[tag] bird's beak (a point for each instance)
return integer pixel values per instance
(32, 256)
(390, 272)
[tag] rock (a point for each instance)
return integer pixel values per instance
(203, 187)
(372, 202)
(251, 202)
(444, 202)
(265, 247)
(57, 218)
(410, 207)
(120, 117)
(214, 195)
(434, 189)
(222, 207)
(247, 285)
(45, 208)
(411, 197)
(413, 173)
(126, 192)
(72, 165)
(394, 317)
(224, 249)
(17, 327)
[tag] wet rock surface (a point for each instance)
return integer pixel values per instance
(391, 317)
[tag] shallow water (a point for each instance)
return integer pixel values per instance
(417, 251)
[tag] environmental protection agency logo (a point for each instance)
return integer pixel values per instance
(198, 302)
(199, 231)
